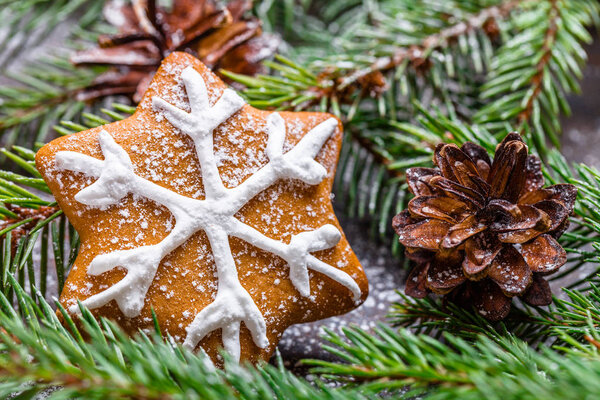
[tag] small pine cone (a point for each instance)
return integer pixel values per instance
(482, 232)
(223, 37)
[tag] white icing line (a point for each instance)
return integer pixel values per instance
(215, 215)
(232, 305)
(298, 163)
(200, 123)
(297, 253)
(141, 264)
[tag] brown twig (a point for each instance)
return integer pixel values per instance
(538, 79)
(419, 54)
(371, 79)
(592, 341)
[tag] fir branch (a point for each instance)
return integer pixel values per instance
(27, 217)
(37, 353)
(48, 355)
(48, 90)
(28, 220)
(582, 241)
(341, 83)
(418, 54)
(27, 22)
(18, 189)
(569, 319)
(451, 60)
(541, 65)
(348, 77)
(368, 192)
(413, 144)
(370, 180)
(535, 69)
(24, 221)
(508, 368)
(434, 317)
(378, 156)
(310, 22)
(44, 90)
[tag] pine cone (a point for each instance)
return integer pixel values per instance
(34, 215)
(483, 232)
(222, 37)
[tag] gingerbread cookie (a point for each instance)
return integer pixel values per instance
(215, 214)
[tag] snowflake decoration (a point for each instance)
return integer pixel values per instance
(214, 215)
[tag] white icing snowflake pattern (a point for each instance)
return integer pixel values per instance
(214, 215)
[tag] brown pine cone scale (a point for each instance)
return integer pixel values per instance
(483, 231)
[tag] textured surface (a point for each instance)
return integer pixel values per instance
(188, 263)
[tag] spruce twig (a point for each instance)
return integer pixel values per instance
(409, 365)
(48, 90)
(533, 71)
(38, 353)
(418, 54)
(538, 79)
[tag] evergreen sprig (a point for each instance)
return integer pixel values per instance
(461, 55)
(410, 365)
(582, 242)
(38, 355)
(44, 89)
(574, 316)
(31, 221)
(533, 71)
(381, 154)
(47, 92)
(384, 62)
(28, 22)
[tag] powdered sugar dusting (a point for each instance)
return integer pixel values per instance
(213, 210)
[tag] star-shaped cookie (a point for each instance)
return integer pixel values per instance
(213, 213)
